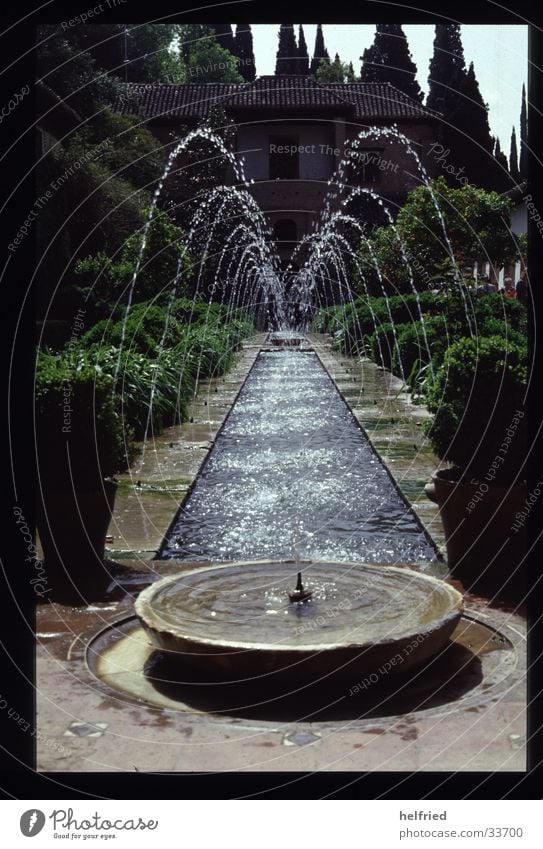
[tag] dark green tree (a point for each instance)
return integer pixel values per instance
(335, 72)
(303, 55)
(454, 91)
(287, 51)
(503, 165)
(513, 158)
(446, 65)
(523, 163)
(204, 59)
(225, 37)
(210, 63)
(477, 110)
(473, 143)
(368, 72)
(476, 222)
(244, 51)
(320, 52)
(388, 60)
(66, 66)
(149, 54)
(191, 34)
(105, 43)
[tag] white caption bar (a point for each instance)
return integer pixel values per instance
(244, 824)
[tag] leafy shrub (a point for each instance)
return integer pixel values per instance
(475, 222)
(383, 344)
(413, 346)
(79, 432)
(154, 387)
(131, 151)
(105, 277)
(364, 327)
(491, 326)
(475, 396)
(353, 324)
(149, 392)
(143, 332)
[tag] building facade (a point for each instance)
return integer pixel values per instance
(292, 133)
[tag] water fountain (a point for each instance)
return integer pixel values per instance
(247, 620)
(283, 486)
(296, 590)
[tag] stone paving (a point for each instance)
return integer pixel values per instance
(85, 726)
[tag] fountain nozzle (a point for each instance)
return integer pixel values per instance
(299, 593)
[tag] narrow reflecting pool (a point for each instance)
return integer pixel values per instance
(292, 475)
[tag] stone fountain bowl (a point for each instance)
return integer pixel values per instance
(363, 622)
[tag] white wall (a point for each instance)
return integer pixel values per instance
(519, 219)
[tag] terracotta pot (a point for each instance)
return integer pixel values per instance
(485, 546)
(72, 526)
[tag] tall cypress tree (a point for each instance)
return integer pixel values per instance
(446, 67)
(193, 34)
(513, 158)
(469, 136)
(523, 163)
(368, 71)
(472, 117)
(287, 51)
(454, 91)
(320, 52)
(225, 37)
(388, 60)
(502, 179)
(303, 55)
(500, 156)
(244, 51)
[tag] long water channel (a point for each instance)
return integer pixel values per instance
(293, 476)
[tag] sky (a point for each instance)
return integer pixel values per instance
(499, 54)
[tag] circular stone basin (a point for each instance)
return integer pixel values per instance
(237, 622)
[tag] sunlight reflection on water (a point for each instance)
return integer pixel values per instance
(292, 475)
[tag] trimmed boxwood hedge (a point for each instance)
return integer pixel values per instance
(478, 400)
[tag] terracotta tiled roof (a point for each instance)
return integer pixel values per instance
(190, 100)
(194, 100)
(381, 100)
(296, 92)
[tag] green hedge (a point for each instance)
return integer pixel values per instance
(79, 429)
(352, 324)
(112, 389)
(363, 327)
(475, 396)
